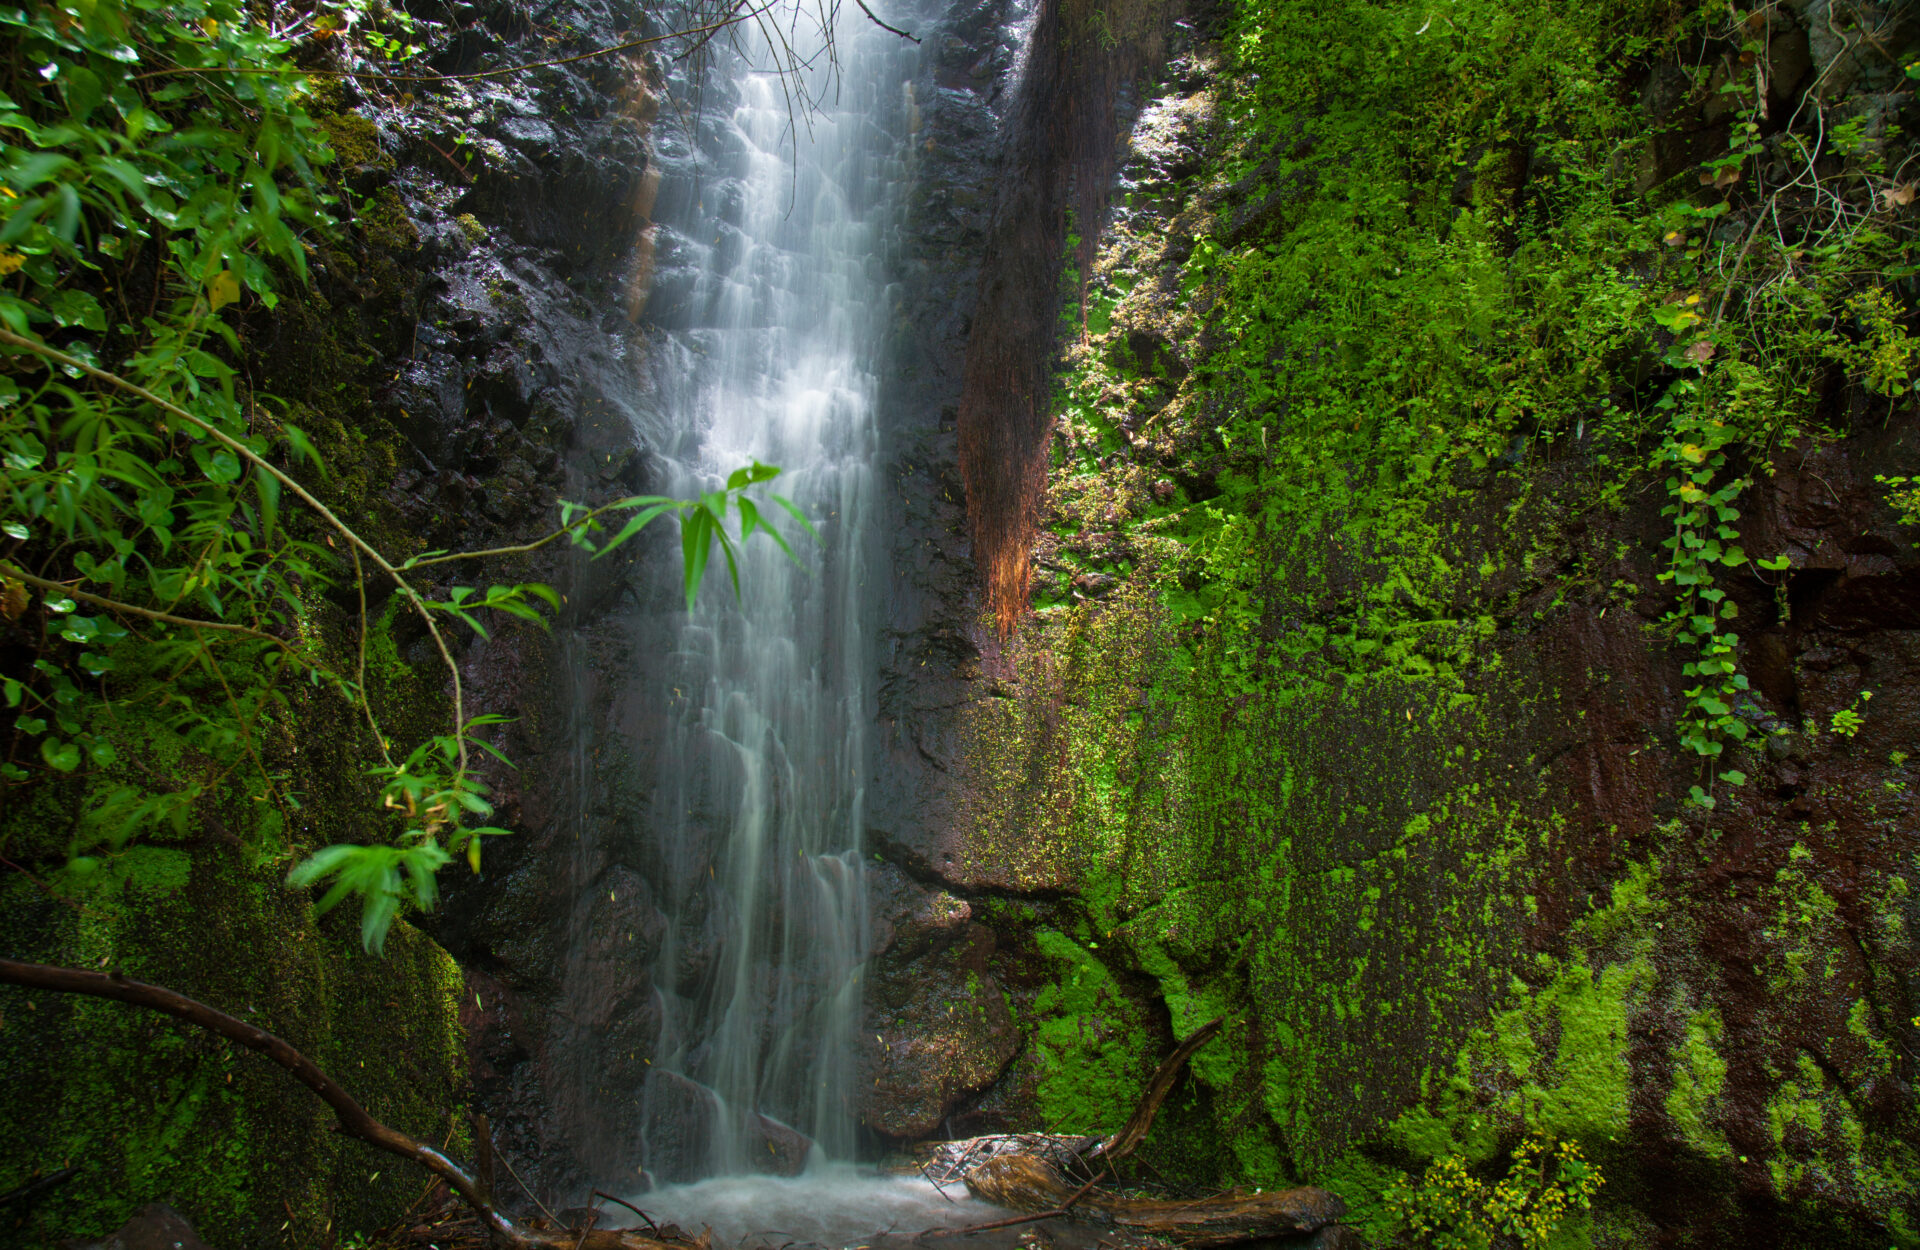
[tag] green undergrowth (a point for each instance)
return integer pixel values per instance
(148, 1110)
(1464, 309)
(159, 782)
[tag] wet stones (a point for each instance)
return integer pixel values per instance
(938, 1026)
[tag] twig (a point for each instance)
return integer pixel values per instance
(936, 1184)
(465, 177)
(501, 1155)
(353, 1119)
(892, 30)
(78, 906)
(1134, 1131)
(983, 1228)
(483, 1154)
(1738, 264)
(1064, 1209)
(360, 679)
(522, 548)
(164, 617)
(37, 1186)
(601, 1193)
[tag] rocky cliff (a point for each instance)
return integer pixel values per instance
(1350, 699)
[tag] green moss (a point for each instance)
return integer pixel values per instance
(152, 1110)
(148, 1109)
(384, 220)
(354, 140)
(1090, 1040)
(1699, 1074)
(1332, 432)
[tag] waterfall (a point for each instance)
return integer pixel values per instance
(767, 351)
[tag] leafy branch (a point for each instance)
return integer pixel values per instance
(164, 147)
(436, 788)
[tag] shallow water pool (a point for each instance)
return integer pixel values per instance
(833, 1204)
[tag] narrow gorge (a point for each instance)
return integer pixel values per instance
(739, 616)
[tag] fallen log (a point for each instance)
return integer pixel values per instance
(1070, 1154)
(1031, 1185)
(1028, 1173)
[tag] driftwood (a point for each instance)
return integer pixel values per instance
(951, 1160)
(1029, 1173)
(476, 1190)
(1034, 1186)
(1134, 1131)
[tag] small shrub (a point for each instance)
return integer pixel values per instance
(1450, 1208)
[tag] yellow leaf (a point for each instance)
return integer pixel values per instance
(210, 26)
(223, 290)
(10, 261)
(1693, 452)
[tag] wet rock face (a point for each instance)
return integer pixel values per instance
(514, 210)
(937, 1028)
(938, 1031)
(1729, 996)
(925, 649)
(551, 266)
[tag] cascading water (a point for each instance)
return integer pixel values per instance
(711, 995)
(764, 751)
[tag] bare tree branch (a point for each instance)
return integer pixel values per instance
(353, 1119)
(892, 30)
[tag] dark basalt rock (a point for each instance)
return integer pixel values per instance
(937, 1031)
(155, 1226)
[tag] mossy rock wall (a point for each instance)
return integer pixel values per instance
(1344, 708)
(148, 1109)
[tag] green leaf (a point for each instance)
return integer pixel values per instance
(77, 308)
(62, 756)
(695, 542)
(303, 450)
(635, 525)
(797, 515)
(83, 91)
